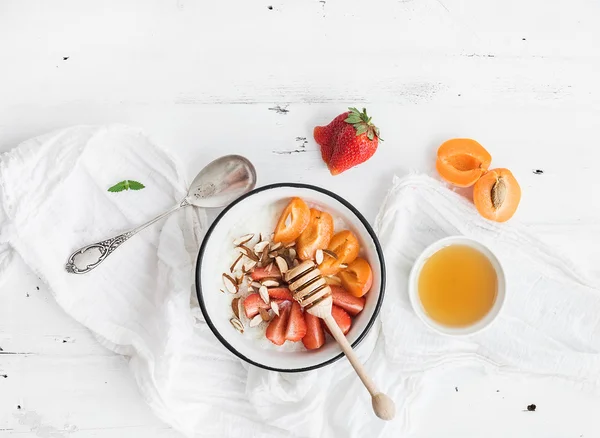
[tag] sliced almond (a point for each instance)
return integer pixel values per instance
(330, 253)
(235, 306)
(246, 251)
(269, 267)
(243, 239)
(276, 246)
(240, 279)
(250, 290)
(255, 284)
(260, 246)
(270, 283)
(264, 314)
(275, 307)
(237, 324)
(264, 258)
(222, 291)
(255, 321)
(230, 284)
(319, 256)
(332, 279)
(281, 264)
(292, 253)
(343, 265)
(289, 245)
(234, 264)
(273, 254)
(264, 294)
(249, 266)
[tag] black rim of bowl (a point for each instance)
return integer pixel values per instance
(299, 186)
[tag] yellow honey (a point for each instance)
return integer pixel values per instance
(457, 286)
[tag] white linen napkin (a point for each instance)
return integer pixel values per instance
(141, 302)
(551, 320)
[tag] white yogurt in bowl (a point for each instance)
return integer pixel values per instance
(258, 212)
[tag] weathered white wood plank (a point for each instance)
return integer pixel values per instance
(208, 77)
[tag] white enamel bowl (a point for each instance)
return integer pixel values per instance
(413, 287)
(256, 212)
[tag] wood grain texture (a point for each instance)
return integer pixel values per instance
(207, 77)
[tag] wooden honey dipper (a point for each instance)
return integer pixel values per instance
(313, 293)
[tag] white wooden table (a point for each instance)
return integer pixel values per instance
(206, 78)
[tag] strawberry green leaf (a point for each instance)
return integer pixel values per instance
(362, 123)
(360, 129)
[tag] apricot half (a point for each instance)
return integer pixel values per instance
(462, 161)
(497, 195)
(316, 235)
(345, 246)
(357, 278)
(292, 222)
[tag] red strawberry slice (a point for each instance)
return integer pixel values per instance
(262, 273)
(252, 303)
(315, 336)
(351, 304)
(296, 327)
(277, 327)
(344, 321)
(280, 293)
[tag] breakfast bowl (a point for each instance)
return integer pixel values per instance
(256, 214)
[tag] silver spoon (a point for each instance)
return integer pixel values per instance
(218, 184)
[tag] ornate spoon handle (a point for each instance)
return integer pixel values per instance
(90, 256)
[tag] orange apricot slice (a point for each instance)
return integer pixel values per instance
(357, 278)
(497, 195)
(345, 246)
(317, 235)
(292, 222)
(462, 161)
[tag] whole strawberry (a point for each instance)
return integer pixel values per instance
(350, 139)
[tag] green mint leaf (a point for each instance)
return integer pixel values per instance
(134, 185)
(126, 184)
(118, 187)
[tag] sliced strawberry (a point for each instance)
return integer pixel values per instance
(315, 336)
(296, 327)
(277, 327)
(344, 321)
(262, 273)
(351, 304)
(252, 303)
(280, 293)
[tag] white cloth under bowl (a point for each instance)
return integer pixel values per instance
(141, 303)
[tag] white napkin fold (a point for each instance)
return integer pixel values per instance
(551, 320)
(141, 303)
